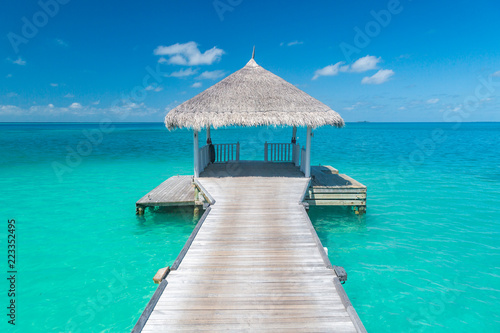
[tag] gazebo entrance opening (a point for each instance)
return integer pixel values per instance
(274, 152)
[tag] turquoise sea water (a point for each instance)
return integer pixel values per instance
(425, 257)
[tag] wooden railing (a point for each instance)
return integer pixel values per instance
(204, 157)
(281, 152)
(226, 152)
(303, 159)
(296, 154)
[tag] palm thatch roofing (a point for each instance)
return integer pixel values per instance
(252, 96)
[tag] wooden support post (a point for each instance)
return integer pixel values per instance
(196, 212)
(294, 135)
(307, 167)
(359, 210)
(265, 151)
(196, 149)
(209, 138)
(237, 151)
(139, 210)
(196, 194)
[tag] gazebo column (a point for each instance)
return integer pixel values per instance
(294, 135)
(307, 169)
(209, 139)
(196, 149)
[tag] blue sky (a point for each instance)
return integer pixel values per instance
(74, 60)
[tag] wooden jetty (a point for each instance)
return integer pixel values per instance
(253, 263)
(327, 186)
(175, 191)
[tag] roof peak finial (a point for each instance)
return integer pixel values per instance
(253, 53)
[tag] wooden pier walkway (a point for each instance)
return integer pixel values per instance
(327, 187)
(254, 263)
(175, 191)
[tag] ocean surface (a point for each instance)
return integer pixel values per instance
(425, 257)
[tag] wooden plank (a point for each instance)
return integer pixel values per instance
(328, 189)
(190, 240)
(335, 196)
(149, 307)
(253, 263)
(175, 191)
(337, 202)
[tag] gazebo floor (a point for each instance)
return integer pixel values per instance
(327, 186)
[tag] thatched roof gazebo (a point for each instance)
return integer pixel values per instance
(253, 96)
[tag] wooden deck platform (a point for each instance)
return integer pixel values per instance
(175, 191)
(327, 187)
(253, 263)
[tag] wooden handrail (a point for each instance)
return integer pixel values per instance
(280, 152)
(226, 152)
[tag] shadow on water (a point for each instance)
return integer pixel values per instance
(159, 217)
(328, 220)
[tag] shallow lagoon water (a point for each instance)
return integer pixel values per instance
(425, 257)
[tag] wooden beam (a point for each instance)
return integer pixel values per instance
(161, 274)
(196, 151)
(209, 138)
(307, 169)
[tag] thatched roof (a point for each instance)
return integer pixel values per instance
(252, 96)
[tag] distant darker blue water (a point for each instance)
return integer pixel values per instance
(425, 257)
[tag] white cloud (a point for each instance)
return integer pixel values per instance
(11, 94)
(184, 72)
(127, 109)
(154, 88)
(432, 101)
(188, 54)
(54, 84)
(8, 76)
(69, 95)
(60, 42)
(361, 65)
(380, 77)
(352, 107)
(295, 42)
(10, 109)
(96, 102)
(496, 74)
(211, 75)
(402, 108)
(365, 64)
(330, 70)
(196, 85)
(19, 61)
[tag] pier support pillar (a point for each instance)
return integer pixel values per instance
(307, 167)
(294, 135)
(196, 148)
(209, 138)
(139, 210)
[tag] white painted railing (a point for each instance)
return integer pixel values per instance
(226, 152)
(296, 154)
(302, 159)
(279, 152)
(204, 157)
